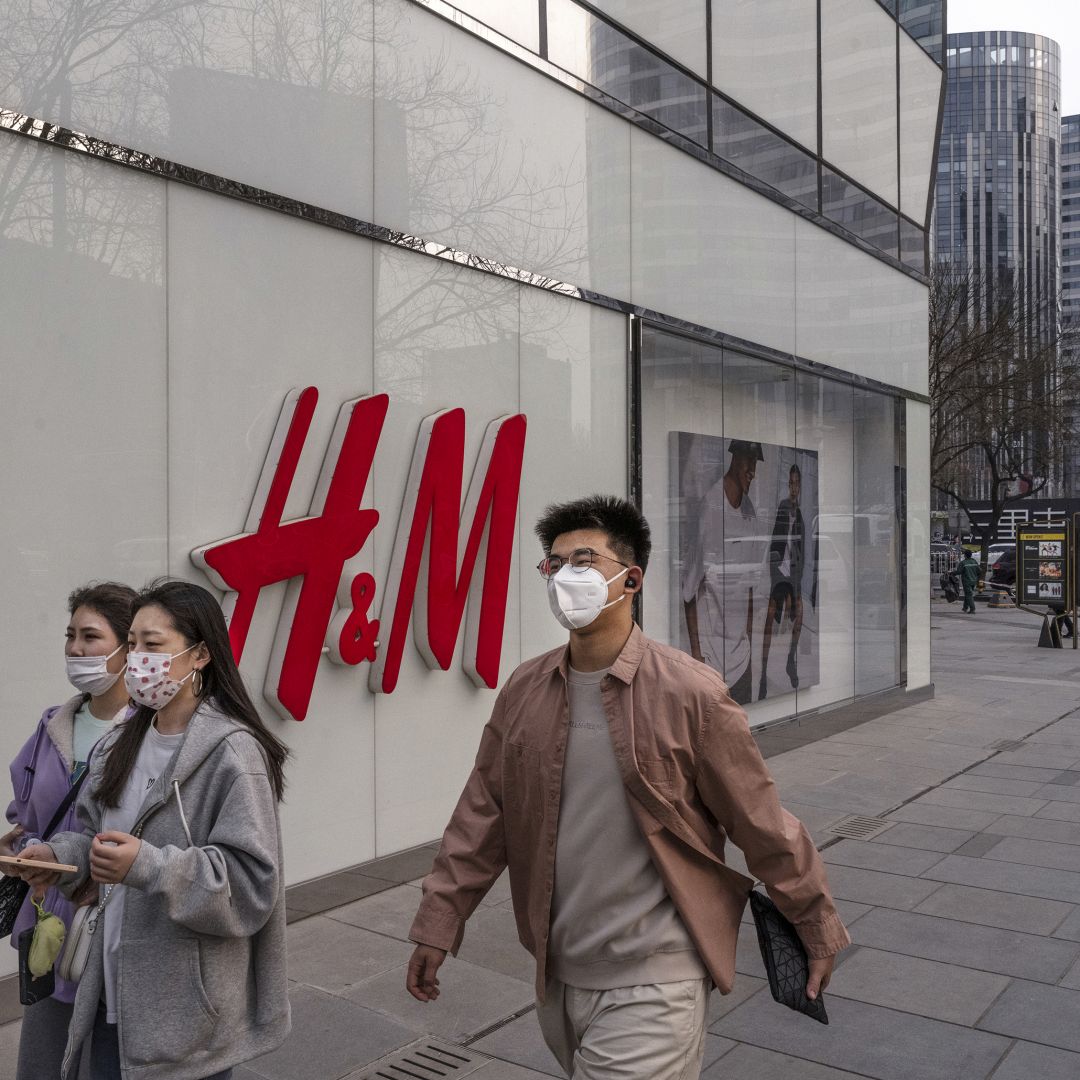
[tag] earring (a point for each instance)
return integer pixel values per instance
(197, 682)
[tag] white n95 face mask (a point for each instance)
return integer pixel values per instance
(89, 674)
(578, 596)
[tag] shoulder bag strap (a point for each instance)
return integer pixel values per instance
(65, 805)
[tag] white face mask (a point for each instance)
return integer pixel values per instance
(147, 678)
(90, 675)
(578, 596)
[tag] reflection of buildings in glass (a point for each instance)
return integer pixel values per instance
(1070, 279)
(996, 205)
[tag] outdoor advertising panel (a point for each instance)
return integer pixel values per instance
(1043, 570)
(747, 561)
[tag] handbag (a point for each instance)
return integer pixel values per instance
(785, 959)
(32, 989)
(13, 890)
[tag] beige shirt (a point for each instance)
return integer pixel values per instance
(694, 777)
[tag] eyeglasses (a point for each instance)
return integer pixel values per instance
(580, 560)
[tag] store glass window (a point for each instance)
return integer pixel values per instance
(773, 496)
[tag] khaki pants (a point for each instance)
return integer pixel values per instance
(633, 1033)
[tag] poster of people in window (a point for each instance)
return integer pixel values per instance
(747, 561)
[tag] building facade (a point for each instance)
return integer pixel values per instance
(654, 231)
(997, 207)
(1070, 277)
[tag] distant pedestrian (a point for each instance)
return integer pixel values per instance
(611, 773)
(969, 578)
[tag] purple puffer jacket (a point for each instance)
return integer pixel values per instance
(40, 778)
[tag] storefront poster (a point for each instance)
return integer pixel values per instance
(1043, 565)
(747, 561)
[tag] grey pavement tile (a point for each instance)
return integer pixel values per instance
(332, 956)
(390, 912)
(1014, 772)
(331, 891)
(918, 813)
(1040, 759)
(1066, 778)
(1060, 811)
(913, 984)
(491, 942)
(748, 953)
(520, 1042)
(927, 837)
(893, 860)
(1017, 849)
(985, 948)
(1058, 793)
(404, 866)
(849, 911)
(745, 987)
(499, 892)
(988, 907)
(471, 998)
(853, 794)
(1069, 927)
(716, 1047)
(330, 1037)
(980, 845)
(817, 819)
(882, 1043)
(753, 1063)
(878, 889)
(1071, 981)
(1029, 1061)
(9, 1041)
(982, 800)
(1036, 1013)
(1038, 828)
(995, 785)
(506, 1070)
(1022, 879)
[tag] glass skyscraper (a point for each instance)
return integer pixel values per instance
(997, 203)
(1070, 274)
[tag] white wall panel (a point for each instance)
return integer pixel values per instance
(475, 150)
(858, 314)
(519, 20)
(573, 392)
(918, 544)
(278, 99)
(765, 57)
(858, 93)
(301, 318)
(707, 249)
(676, 27)
(445, 337)
(920, 90)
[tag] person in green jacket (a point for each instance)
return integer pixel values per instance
(969, 578)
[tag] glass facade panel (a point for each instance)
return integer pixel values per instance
(924, 20)
(605, 57)
(912, 245)
(877, 543)
(741, 140)
(675, 27)
(862, 214)
(773, 499)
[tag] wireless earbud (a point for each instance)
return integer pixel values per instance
(631, 582)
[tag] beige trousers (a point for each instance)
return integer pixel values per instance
(633, 1033)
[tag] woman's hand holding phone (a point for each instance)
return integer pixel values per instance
(7, 847)
(38, 879)
(111, 856)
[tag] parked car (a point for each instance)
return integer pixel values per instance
(996, 551)
(1003, 572)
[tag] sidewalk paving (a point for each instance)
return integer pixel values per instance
(965, 911)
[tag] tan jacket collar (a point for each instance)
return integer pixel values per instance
(626, 663)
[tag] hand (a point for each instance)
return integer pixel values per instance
(111, 856)
(7, 847)
(39, 880)
(423, 964)
(820, 974)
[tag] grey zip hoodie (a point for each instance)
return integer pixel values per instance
(201, 980)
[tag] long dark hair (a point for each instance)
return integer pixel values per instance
(197, 616)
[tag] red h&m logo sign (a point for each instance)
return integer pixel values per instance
(434, 574)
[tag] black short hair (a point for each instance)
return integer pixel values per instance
(114, 602)
(622, 522)
(796, 470)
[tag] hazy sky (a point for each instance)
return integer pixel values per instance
(1058, 19)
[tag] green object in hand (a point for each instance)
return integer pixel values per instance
(47, 942)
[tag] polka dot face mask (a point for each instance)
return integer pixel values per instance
(147, 678)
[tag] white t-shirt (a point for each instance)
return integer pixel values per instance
(725, 563)
(154, 756)
(87, 730)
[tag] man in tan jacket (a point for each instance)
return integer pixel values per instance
(609, 777)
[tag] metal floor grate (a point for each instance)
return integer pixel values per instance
(1007, 744)
(426, 1059)
(860, 827)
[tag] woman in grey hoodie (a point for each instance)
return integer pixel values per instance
(186, 974)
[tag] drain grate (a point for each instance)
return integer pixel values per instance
(860, 827)
(426, 1059)
(1007, 744)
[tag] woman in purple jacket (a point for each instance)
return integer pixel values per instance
(53, 759)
